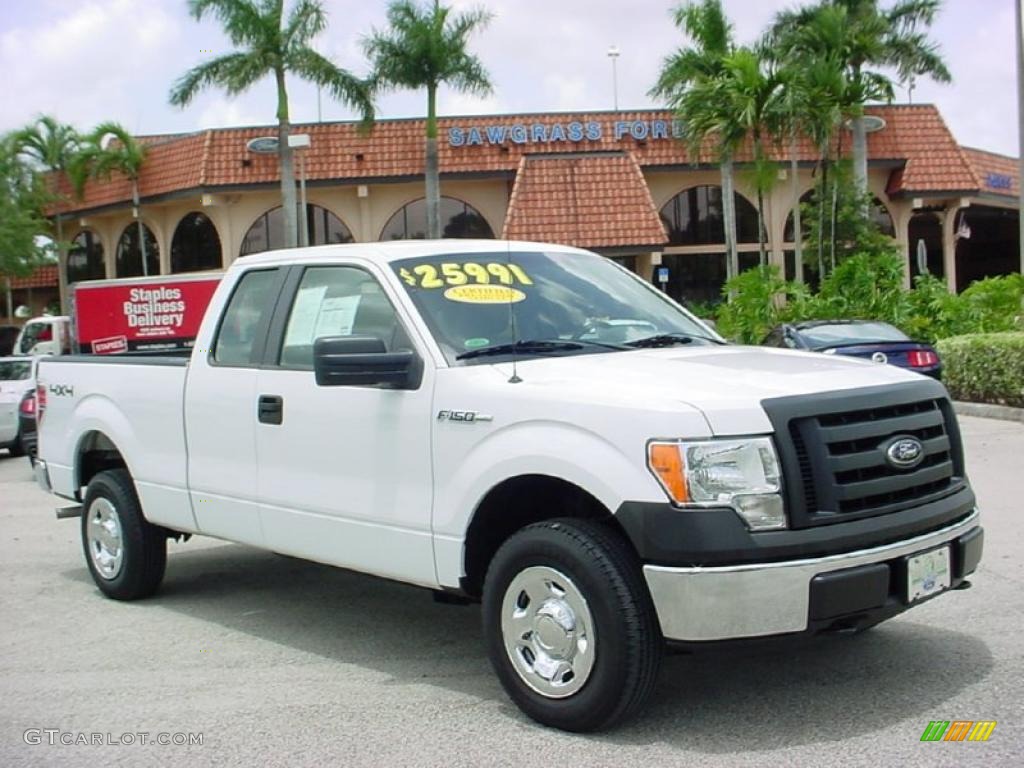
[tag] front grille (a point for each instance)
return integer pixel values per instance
(834, 459)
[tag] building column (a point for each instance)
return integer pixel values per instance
(363, 195)
(645, 264)
(901, 221)
(949, 244)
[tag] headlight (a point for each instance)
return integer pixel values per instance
(742, 474)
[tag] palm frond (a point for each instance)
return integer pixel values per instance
(340, 83)
(242, 20)
(234, 72)
(306, 20)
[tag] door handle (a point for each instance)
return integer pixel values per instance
(271, 409)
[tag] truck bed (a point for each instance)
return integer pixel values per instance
(137, 401)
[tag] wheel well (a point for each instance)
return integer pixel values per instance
(516, 503)
(96, 453)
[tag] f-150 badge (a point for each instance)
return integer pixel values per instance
(464, 416)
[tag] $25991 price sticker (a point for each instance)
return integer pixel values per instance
(471, 273)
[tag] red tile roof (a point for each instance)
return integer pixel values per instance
(998, 174)
(43, 277)
(585, 200)
(914, 135)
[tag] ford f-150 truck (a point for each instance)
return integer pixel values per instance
(527, 425)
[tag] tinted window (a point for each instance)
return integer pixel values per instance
(196, 245)
(469, 299)
(248, 307)
(17, 370)
(850, 333)
(338, 301)
(458, 219)
(129, 256)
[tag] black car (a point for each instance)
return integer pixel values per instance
(866, 339)
(28, 432)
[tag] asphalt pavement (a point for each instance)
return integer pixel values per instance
(274, 661)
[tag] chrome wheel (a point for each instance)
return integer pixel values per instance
(106, 548)
(548, 631)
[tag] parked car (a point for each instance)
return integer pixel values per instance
(8, 335)
(866, 339)
(28, 428)
(474, 417)
(16, 378)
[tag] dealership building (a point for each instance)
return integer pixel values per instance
(619, 183)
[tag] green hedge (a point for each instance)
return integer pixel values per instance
(984, 367)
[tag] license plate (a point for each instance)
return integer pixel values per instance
(927, 574)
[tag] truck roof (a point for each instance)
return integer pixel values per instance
(400, 249)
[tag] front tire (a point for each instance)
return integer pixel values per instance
(569, 624)
(125, 553)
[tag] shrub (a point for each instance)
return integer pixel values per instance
(985, 368)
(754, 308)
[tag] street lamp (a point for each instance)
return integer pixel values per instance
(268, 145)
(613, 54)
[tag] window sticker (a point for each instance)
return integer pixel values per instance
(452, 274)
(475, 342)
(484, 294)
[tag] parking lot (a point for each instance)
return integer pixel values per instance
(276, 661)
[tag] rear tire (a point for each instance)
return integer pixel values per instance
(570, 627)
(125, 553)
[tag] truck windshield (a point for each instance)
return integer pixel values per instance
(471, 300)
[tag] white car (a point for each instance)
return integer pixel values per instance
(17, 376)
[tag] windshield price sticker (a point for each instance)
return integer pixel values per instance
(450, 274)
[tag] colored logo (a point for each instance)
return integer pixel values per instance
(484, 294)
(958, 730)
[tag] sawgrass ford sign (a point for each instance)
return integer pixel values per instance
(573, 132)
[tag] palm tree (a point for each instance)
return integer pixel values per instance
(109, 148)
(751, 90)
(425, 47)
(862, 37)
(52, 146)
(690, 82)
(272, 43)
(811, 103)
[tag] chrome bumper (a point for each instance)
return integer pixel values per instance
(725, 602)
(42, 475)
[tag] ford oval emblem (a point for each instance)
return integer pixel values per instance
(904, 452)
(880, 357)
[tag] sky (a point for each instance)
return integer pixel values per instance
(88, 61)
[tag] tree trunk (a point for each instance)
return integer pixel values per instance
(284, 153)
(10, 299)
(433, 181)
(798, 235)
(820, 202)
(732, 267)
(141, 228)
(62, 266)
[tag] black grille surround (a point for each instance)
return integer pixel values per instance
(832, 449)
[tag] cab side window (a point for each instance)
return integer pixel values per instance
(249, 306)
(338, 301)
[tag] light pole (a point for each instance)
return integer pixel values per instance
(301, 141)
(268, 145)
(613, 54)
(1019, 12)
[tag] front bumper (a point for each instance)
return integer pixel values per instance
(699, 604)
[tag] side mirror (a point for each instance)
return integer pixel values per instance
(340, 361)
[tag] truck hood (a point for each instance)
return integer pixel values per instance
(727, 384)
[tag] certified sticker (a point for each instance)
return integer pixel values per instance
(484, 294)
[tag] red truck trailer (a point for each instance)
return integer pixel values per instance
(140, 314)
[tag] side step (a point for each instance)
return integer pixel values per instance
(63, 513)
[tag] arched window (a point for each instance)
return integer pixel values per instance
(196, 245)
(879, 215)
(458, 219)
(85, 258)
(129, 256)
(267, 232)
(695, 217)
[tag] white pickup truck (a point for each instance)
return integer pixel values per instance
(527, 425)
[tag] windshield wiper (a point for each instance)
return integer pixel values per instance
(535, 347)
(669, 339)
